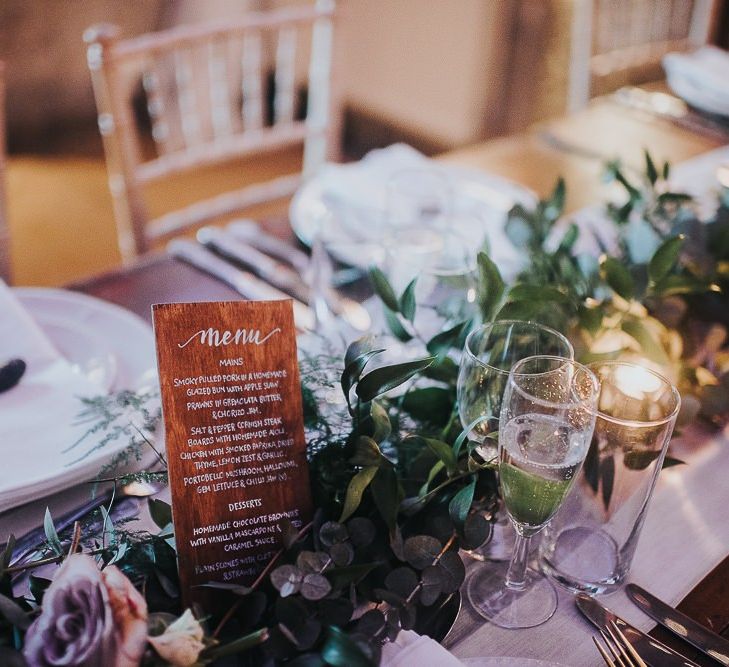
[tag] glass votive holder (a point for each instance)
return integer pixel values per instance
(590, 543)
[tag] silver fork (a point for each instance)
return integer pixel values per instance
(622, 651)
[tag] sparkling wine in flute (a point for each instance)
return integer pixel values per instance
(540, 457)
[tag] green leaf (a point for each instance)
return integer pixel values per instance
(51, 534)
(666, 171)
(665, 258)
(387, 494)
(590, 318)
(430, 404)
(443, 451)
(161, 512)
(378, 422)
(353, 370)
(366, 453)
(340, 651)
(555, 204)
(650, 168)
(383, 289)
(652, 349)
(460, 504)
(617, 277)
(386, 378)
(669, 462)
(536, 293)
(355, 489)
(673, 198)
(407, 301)
(439, 344)
(490, 286)
(237, 646)
(570, 238)
(395, 326)
(443, 370)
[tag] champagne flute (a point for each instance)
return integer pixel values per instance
(547, 418)
(490, 352)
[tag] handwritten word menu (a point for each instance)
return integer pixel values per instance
(234, 435)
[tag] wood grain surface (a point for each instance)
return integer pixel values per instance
(231, 401)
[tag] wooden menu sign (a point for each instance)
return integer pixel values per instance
(234, 435)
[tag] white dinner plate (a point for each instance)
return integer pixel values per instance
(115, 331)
(41, 461)
(359, 191)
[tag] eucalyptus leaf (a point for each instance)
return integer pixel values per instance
(402, 581)
(351, 574)
(315, 586)
(385, 378)
(287, 579)
(312, 562)
(332, 532)
(432, 585)
(476, 531)
(383, 289)
(361, 531)
(341, 553)
(421, 550)
(355, 489)
(452, 570)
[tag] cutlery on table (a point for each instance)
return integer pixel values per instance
(653, 652)
(243, 282)
(269, 269)
(280, 275)
(622, 651)
(250, 232)
(681, 625)
(670, 107)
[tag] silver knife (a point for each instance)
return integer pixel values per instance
(651, 650)
(281, 275)
(246, 284)
(689, 630)
(250, 232)
(273, 272)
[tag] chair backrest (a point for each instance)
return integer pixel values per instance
(207, 94)
(620, 42)
(4, 231)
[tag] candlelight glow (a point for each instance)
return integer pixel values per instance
(636, 381)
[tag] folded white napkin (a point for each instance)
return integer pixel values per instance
(37, 415)
(700, 78)
(413, 650)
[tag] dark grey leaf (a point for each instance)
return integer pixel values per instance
(421, 550)
(402, 581)
(312, 561)
(332, 532)
(361, 531)
(341, 553)
(315, 587)
(452, 570)
(287, 579)
(432, 585)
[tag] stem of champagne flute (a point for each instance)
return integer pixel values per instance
(516, 574)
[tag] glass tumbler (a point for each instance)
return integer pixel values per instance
(590, 543)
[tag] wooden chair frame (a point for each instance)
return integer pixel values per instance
(586, 67)
(5, 271)
(211, 139)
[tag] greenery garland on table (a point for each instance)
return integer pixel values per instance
(395, 481)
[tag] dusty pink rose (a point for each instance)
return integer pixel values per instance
(129, 610)
(89, 618)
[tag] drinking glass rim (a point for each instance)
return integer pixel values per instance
(481, 327)
(555, 404)
(640, 423)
